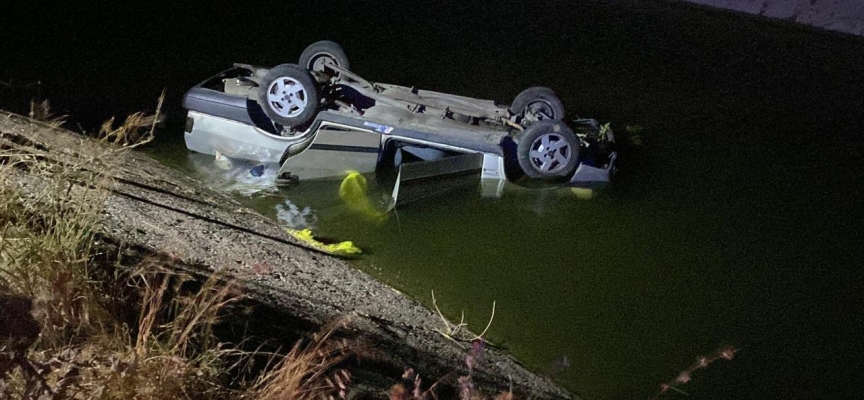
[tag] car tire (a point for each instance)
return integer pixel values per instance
(289, 95)
(548, 151)
(541, 101)
(313, 57)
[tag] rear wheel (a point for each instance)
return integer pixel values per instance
(289, 95)
(318, 54)
(537, 104)
(548, 150)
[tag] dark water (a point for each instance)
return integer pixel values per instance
(735, 223)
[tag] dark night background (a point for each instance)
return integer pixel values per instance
(763, 116)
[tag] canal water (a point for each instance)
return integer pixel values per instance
(734, 221)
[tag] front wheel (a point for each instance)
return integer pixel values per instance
(289, 95)
(316, 56)
(548, 150)
(538, 103)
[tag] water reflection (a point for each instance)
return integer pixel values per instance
(294, 216)
(232, 176)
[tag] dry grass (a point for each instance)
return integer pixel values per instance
(169, 356)
(41, 111)
(46, 236)
(308, 372)
(84, 349)
(450, 330)
(136, 130)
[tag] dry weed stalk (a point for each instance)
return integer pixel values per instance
(725, 353)
(452, 330)
(138, 128)
(309, 371)
(411, 386)
(175, 353)
(193, 316)
(41, 111)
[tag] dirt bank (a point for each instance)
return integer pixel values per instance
(153, 210)
(845, 16)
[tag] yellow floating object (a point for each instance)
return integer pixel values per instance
(344, 249)
(582, 193)
(353, 192)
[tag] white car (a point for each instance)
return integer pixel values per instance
(319, 119)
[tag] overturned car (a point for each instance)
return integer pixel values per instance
(318, 119)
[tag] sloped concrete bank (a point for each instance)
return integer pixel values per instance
(846, 16)
(154, 210)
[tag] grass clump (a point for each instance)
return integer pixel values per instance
(309, 371)
(136, 130)
(41, 111)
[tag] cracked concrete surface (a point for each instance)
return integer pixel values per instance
(845, 16)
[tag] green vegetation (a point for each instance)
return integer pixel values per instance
(634, 131)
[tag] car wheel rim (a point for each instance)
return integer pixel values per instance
(287, 97)
(319, 63)
(550, 153)
(541, 110)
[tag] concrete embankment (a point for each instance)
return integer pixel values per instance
(154, 211)
(846, 16)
